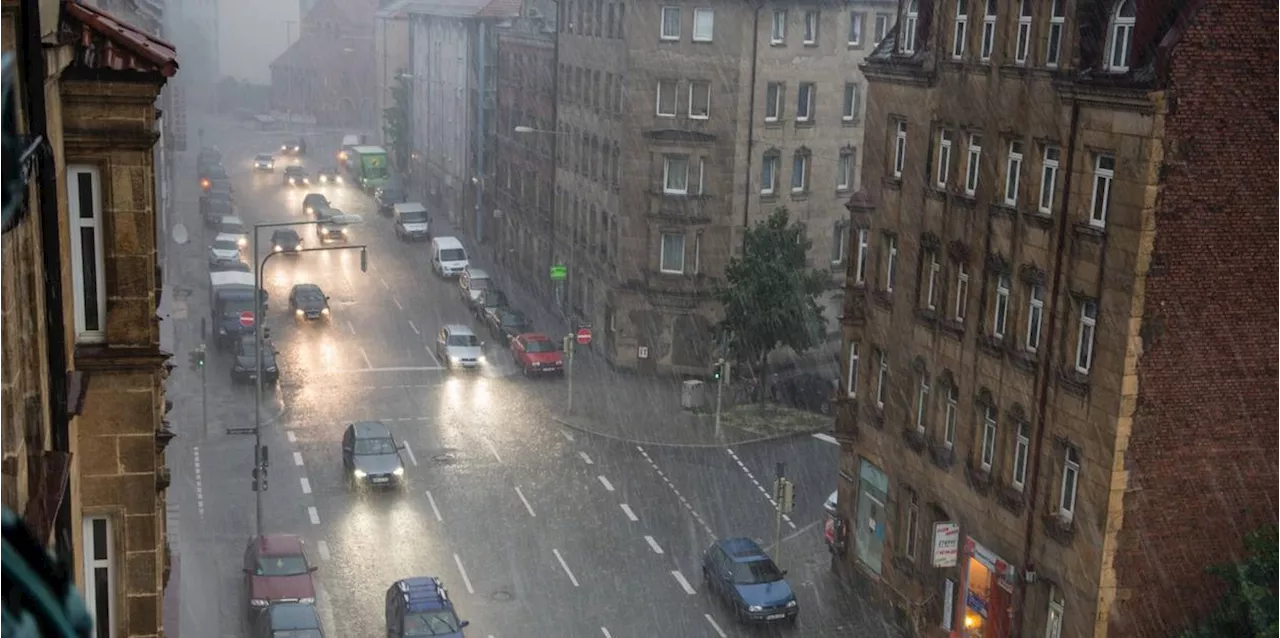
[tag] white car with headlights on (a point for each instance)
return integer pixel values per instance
(458, 347)
(225, 250)
(264, 162)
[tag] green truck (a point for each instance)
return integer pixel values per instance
(368, 166)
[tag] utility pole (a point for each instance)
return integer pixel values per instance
(722, 371)
(568, 371)
(784, 497)
(204, 381)
(259, 468)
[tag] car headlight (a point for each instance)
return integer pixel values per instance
(325, 312)
(755, 608)
(284, 148)
(337, 179)
(399, 471)
(791, 603)
(222, 331)
(359, 473)
(298, 247)
(309, 600)
(258, 602)
(343, 231)
(480, 359)
(279, 248)
(310, 210)
(453, 359)
(299, 312)
(242, 242)
(306, 180)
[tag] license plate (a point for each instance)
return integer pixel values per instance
(775, 616)
(380, 479)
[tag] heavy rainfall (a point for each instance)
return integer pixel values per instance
(871, 318)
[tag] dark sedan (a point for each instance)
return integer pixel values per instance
(309, 303)
(329, 175)
(245, 367)
(388, 196)
(286, 241)
(506, 323)
(296, 176)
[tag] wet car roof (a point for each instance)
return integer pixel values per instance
(371, 430)
(273, 544)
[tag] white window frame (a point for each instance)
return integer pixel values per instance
(973, 166)
(931, 294)
(77, 227)
(770, 167)
(850, 102)
(1022, 45)
(708, 14)
(944, 158)
(1085, 336)
(913, 517)
(951, 416)
(851, 370)
(1057, 27)
(922, 402)
(899, 148)
(882, 378)
(961, 34)
(1120, 37)
(776, 102)
(864, 248)
(694, 85)
(844, 170)
(1103, 178)
(663, 34)
(908, 34)
(702, 174)
(778, 28)
(800, 161)
(667, 174)
(989, 432)
(662, 254)
(1021, 454)
(855, 29)
(881, 27)
(988, 44)
(805, 94)
(1013, 173)
(891, 264)
(1035, 317)
(1053, 622)
(1070, 476)
(675, 101)
(91, 563)
(697, 252)
(811, 21)
(1049, 178)
(962, 292)
(1000, 309)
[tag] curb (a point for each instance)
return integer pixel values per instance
(764, 439)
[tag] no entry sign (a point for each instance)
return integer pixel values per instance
(584, 336)
(246, 318)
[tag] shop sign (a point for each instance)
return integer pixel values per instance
(976, 603)
(946, 544)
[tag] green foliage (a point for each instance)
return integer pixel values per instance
(395, 122)
(770, 300)
(1249, 607)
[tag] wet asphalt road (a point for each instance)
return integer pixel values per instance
(537, 530)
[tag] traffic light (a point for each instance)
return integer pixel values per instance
(197, 359)
(259, 479)
(787, 499)
(721, 371)
(266, 457)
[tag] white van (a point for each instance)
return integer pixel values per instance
(448, 257)
(412, 221)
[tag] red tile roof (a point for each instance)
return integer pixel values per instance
(107, 42)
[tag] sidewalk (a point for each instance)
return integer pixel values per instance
(628, 406)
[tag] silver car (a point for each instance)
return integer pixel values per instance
(458, 347)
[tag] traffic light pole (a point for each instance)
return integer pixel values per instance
(568, 372)
(719, 393)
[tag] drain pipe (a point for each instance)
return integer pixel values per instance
(751, 126)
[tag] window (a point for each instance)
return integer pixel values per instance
(810, 27)
(988, 31)
(891, 264)
(931, 294)
(1104, 171)
(844, 170)
(962, 291)
(699, 100)
(800, 173)
(100, 575)
(913, 516)
(778, 30)
(839, 242)
(1049, 178)
(666, 104)
(804, 102)
(922, 401)
(850, 112)
(1021, 449)
(670, 23)
(702, 173)
(1000, 311)
(962, 26)
(988, 438)
(899, 148)
(697, 253)
(1084, 340)
(944, 158)
(671, 261)
(860, 271)
(882, 378)
(1013, 173)
(1053, 625)
(908, 35)
(882, 27)
(675, 174)
(1057, 23)
(704, 21)
(973, 166)
(1120, 36)
(952, 413)
(1023, 43)
(769, 173)
(855, 29)
(851, 370)
(88, 262)
(772, 101)
(1070, 476)
(1035, 317)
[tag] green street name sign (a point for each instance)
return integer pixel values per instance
(558, 273)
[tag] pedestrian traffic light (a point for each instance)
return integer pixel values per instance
(197, 359)
(787, 499)
(259, 479)
(721, 371)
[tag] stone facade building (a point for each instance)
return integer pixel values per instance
(1054, 337)
(328, 71)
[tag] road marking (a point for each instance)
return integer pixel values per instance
(323, 548)
(683, 501)
(493, 449)
(827, 438)
(394, 369)
(626, 509)
(365, 356)
(434, 510)
(566, 435)
(714, 626)
(767, 495)
(290, 435)
(525, 501)
(297, 459)
(413, 327)
(199, 482)
(412, 459)
(684, 584)
(605, 482)
(466, 580)
(586, 458)
(565, 566)
(432, 352)
(306, 485)
(384, 283)
(657, 549)
(351, 327)
(314, 514)
(605, 631)
(397, 302)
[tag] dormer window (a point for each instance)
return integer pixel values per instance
(908, 34)
(1120, 36)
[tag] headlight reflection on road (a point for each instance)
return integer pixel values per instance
(480, 393)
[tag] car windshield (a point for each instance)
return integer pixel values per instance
(265, 158)
(287, 238)
(540, 345)
(232, 229)
(453, 254)
(310, 297)
(513, 319)
(433, 623)
(417, 217)
(375, 446)
(248, 348)
(225, 244)
(233, 307)
(477, 283)
(296, 633)
(464, 341)
(756, 572)
(494, 298)
(282, 565)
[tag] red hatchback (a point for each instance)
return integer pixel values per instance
(536, 353)
(276, 570)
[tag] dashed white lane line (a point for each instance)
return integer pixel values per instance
(684, 583)
(586, 459)
(466, 580)
(683, 501)
(306, 485)
(431, 351)
(565, 566)
(293, 438)
(195, 450)
(653, 544)
(434, 510)
(626, 509)
(605, 631)
(351, 327)
(525, 501)
(313, 514)
(827, 438)
(566, 435)
(323, 548)
(297, 459)
(605, 482)
(364, 355)
(767, 495)
(719, 631)
(413, 327)
(412, 459)
(494, 450)
(397, 302)
(384, 283)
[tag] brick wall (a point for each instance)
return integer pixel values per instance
(1202, 458)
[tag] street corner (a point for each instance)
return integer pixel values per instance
(769, 421)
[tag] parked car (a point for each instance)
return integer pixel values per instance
(232, 225)
(738, 572)
(276, 570)
(536, 353)
(215, 206)
(225, 249)
(490, 299)
(371, 456)
(388, 196)
(505, 323)
(230, 266)
(289, 620)
(245, 367)
(806, 391)
(421, 606)
(264, 162)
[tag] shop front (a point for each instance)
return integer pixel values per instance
(869, 526)
(987, 592)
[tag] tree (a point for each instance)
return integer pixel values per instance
(770, 299)
(395, 122)
(1249, 606)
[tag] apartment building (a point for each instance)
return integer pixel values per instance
(1058, 405)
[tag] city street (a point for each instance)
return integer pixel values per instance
(537, 529)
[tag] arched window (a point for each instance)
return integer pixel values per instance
(1120, 36)
(908, 35)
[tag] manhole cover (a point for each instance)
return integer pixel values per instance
(445, 459)
(502, 596)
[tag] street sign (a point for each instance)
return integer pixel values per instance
(558, 273)
(946, 544)
(246, 318)
(584, 336)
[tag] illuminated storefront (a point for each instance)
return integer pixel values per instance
(987, 592)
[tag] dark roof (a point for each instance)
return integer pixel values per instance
(293, 616)
(104, 41)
